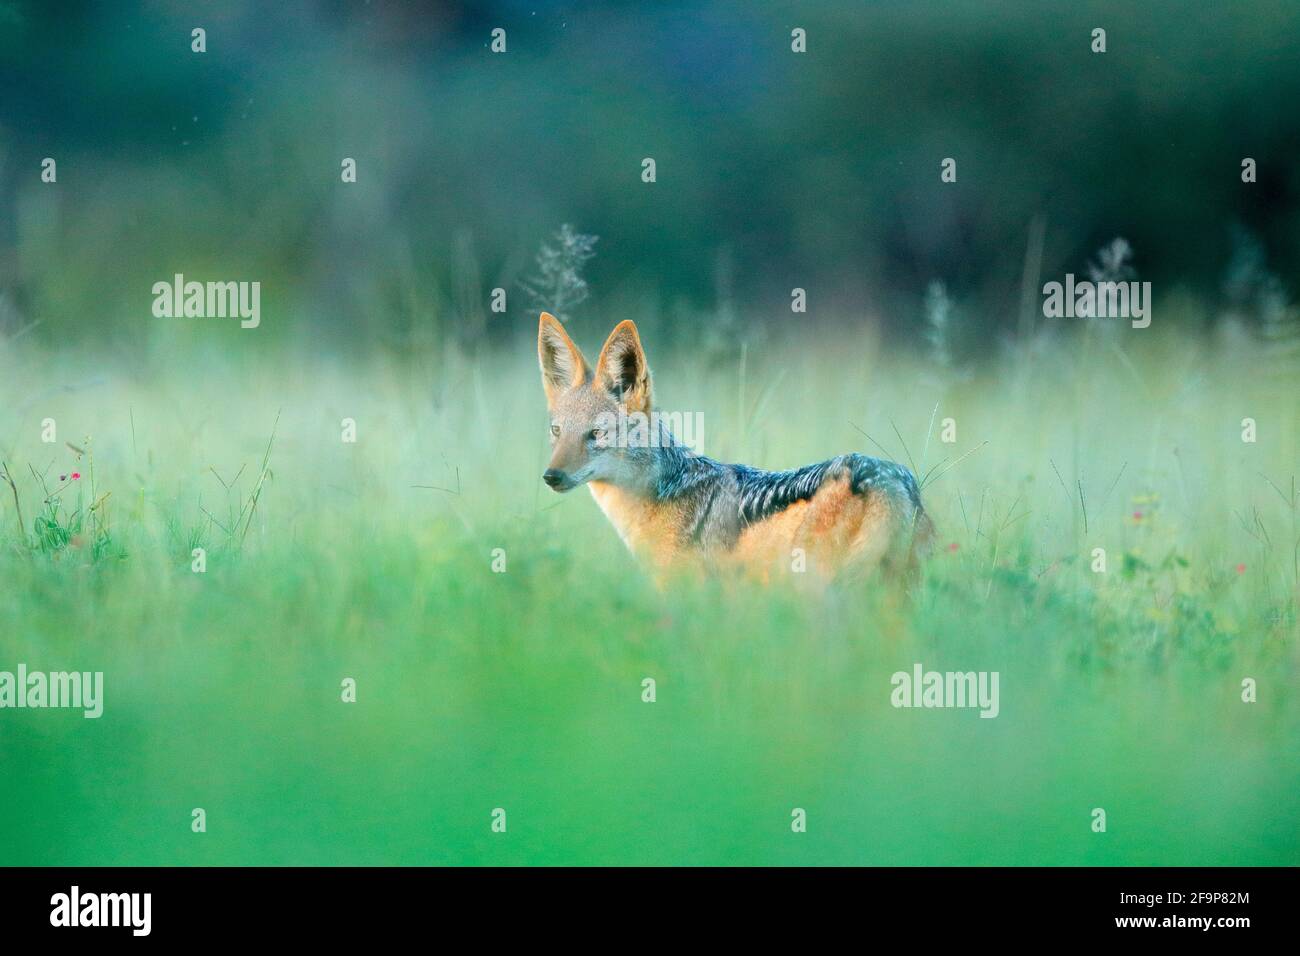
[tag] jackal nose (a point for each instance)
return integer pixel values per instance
(553, 477)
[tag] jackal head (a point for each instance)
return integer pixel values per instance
(589, 408)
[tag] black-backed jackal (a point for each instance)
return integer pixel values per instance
(673, 507)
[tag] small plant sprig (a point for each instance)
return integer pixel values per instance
(1114, 262)
(238, 522)
(57, 528)
(559, 286)
(18, 508)
(938, 323)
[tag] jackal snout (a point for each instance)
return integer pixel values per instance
(555, 478)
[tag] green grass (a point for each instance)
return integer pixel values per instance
(522, 690)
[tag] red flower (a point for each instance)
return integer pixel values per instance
(1241, 569)
(953, 546)
(76, 475)
(1137, 516)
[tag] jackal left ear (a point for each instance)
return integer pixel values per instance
(563, 366)
(622, 369)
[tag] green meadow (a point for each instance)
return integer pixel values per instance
(521, 687)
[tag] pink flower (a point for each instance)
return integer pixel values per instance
(1241, 569)
(953, 546)
(76, 475)
(1137, 516)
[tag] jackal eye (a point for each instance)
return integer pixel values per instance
(598, 434)
(555, 430)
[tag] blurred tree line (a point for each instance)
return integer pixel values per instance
(774, 169)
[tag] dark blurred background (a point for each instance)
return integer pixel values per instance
(775, 169)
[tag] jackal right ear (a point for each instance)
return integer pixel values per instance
(563, 366)
(622, 369)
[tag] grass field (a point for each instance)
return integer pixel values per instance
(522, 690)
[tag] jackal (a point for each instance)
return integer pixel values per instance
(673, 507)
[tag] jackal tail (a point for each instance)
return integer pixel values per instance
(923, 533)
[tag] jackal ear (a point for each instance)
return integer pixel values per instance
(563, 366)
(622, 369)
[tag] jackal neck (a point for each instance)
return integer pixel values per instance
(649, 526)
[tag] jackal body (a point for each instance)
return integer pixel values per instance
(673, 507)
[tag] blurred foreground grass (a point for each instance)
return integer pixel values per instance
(522, 690)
